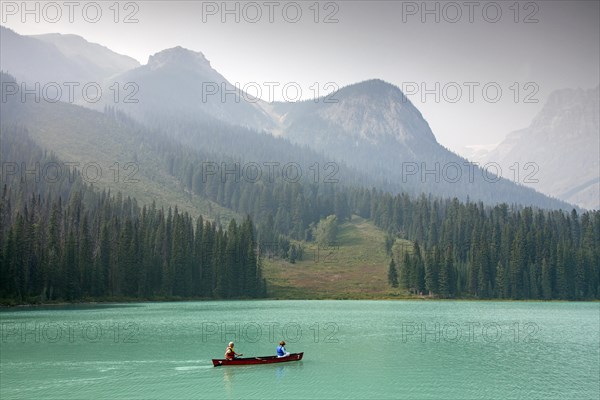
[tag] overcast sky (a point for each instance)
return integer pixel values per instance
(526, 50)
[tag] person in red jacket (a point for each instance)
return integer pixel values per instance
(230, 354)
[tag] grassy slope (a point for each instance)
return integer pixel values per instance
(77, 134)
(355, 270)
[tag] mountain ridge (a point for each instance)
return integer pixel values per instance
(58, 58)
(91, 54)
(569, 116)
(347, 100)
(369, 126)
(182, 81)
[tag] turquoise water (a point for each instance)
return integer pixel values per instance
(353, 349)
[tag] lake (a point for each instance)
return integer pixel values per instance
(352, 349)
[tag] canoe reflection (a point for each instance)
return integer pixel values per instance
(279, 370)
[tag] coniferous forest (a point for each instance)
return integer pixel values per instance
(65, 240)
(54, 250)
(470, 250)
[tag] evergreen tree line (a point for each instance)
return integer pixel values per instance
(56, 251)
(472, 250)
(98, 245)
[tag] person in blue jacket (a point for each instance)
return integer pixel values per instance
(281, 351)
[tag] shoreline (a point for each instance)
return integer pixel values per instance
(125, 301)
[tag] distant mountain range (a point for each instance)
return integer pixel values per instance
(559, 152)
(59, 58)
(181, 82)
(370, 126)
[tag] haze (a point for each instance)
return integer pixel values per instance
(544, 46)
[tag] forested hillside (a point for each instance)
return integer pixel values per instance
(65, 240)
(469, 250)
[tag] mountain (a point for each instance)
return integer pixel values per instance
(370, 127)
(58, 58)
(181, 83)
(196, 173)
(563, 145)
(372, 112)
(373, 127)
(96, 59)
(110, 152)
(35, 61)
(477, 152)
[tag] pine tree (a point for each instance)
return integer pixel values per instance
(419, 271)
(432, 268)
(546, 280)
(197, 274)
(500, 283)
(70, 262)
(208, 257)
(125, 271)
(220, 289)
(534, 281)
(178, 257)
(516, 266)
(54, 253)
(232, 266)
(252, 267)
(405, 271)
(580, 283)
(86, 261)
(102, 277)
(392, 274)
(562, 280)
(444, 277)
(483, 263)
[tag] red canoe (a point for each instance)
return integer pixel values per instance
(258, 360)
